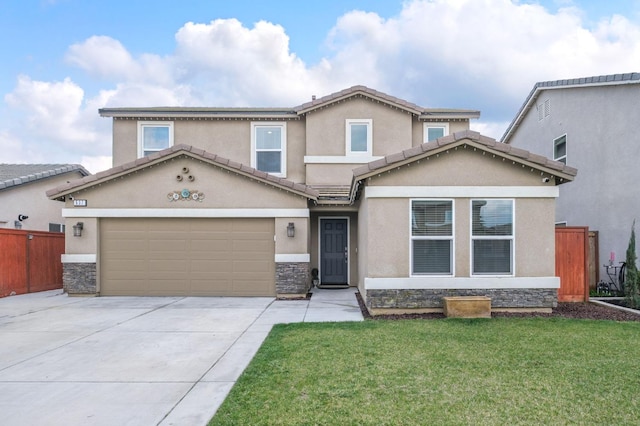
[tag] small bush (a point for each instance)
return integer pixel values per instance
(632, 278)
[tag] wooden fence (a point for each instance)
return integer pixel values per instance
(30, 261)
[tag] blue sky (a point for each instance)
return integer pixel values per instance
(64, 59)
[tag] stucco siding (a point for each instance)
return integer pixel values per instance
(326, 129)
(228, 138)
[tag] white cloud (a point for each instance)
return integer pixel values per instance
(473, 54)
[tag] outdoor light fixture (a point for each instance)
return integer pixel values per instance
(17, 224)
(77, 229)
(291, 230)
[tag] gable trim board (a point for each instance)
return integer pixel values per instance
(461, 191)
(185, 213)
(339, 159)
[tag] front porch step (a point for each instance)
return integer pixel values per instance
(334, 286)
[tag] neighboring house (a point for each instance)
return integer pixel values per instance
(357, 188)
(589, 123)
(23, 201)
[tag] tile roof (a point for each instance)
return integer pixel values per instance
(460, 138)
(601, 80)
(176, 150)
(286, 113)
(12, 175)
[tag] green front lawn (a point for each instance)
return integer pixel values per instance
(446, 372)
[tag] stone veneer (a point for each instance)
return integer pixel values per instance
(79, 278)
(527, 298)
(292, 278)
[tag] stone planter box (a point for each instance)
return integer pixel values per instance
(467, 307)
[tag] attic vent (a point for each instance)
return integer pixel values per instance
(544, 109)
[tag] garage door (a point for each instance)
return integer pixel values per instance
(187, 257)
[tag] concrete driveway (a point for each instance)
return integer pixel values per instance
(136, 360)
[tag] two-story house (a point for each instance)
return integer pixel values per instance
(357, 188)
(588, 123)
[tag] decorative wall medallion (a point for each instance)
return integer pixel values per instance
(186, 195)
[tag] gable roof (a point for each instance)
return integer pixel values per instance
(538, 88)
(61, 191)
(467, 138)
(13, 175)
(290, 113)
(375, 95)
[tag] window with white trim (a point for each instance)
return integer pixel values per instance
(268, 147)
(492, 237)
(560, 149)
(431, 237)
(154, 136)
(359, 137)
(433, 131)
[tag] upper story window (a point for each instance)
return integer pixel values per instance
(560, 149)
(433, 131)
(154, 136)
(359, 136)
(268, 148)
(432, 237)
(492, 237)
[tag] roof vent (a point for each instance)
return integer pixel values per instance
(313, 97)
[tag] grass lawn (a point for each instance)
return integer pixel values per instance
(442, 372)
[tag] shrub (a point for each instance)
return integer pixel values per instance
(632, 278)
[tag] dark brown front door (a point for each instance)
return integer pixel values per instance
(334, 251)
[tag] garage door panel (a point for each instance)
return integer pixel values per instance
(198, 257)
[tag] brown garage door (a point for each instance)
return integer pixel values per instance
(187, 257)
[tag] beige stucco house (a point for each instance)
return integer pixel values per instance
(357, 188)
(23, 201)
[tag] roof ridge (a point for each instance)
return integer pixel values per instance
(27, 173)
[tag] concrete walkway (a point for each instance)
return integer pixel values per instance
(137, 360)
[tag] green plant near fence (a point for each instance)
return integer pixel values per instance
(632, 277)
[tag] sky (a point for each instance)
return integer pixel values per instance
(62, 60)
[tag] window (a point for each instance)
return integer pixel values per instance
(492, 237)
(56, 227)
(154, 136)
(433, 131)
(560, 149)
(359, 137)
(432, 237)
(268, 145)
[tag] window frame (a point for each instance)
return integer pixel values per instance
(511, 238)
(145, 124)
(369, 123)
(427, 126)
(556, 142)
(283, 146)
(451, 238)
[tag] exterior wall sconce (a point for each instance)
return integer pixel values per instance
(291, 230)
(17, 224)
(77, 229)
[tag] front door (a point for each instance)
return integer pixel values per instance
(334, 251)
